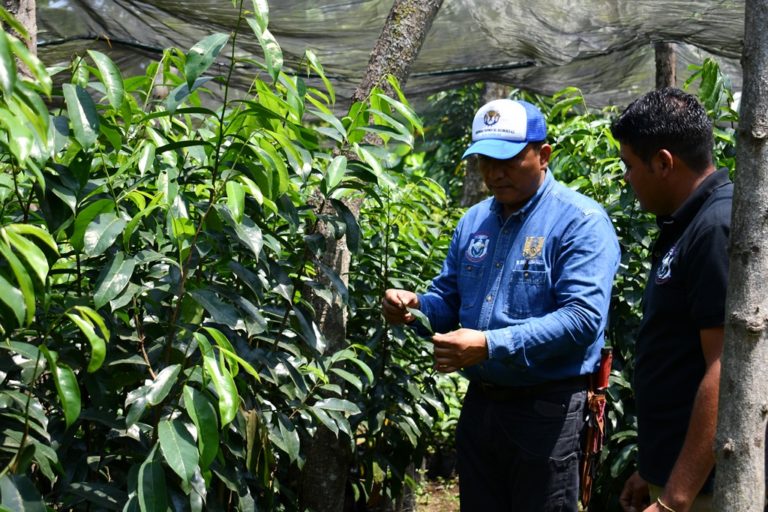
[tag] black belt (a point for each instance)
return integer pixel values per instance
(497, 392)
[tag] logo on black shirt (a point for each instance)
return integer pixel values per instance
(664, 272)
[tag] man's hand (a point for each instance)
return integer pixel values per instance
(635, 496)
(458, 349)
(395, 306)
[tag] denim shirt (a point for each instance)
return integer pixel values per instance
(538, 285)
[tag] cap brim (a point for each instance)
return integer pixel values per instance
(495, 148)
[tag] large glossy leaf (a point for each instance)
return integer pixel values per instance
(273, 54)
(287, 438)
(66, 386)
(20, 495)
(110, 75)
(35, 65)
(178, 448)
(7, 66)
(23, 279)
(98, 345)
(84, 218)
(236, 200)
(105, 496)
(219, 310)
(152, 491)
(314, 63)
(82, 115)
(114, 279)
(261, 13)
(335, 173)
(229, 400)
(102, 233)
(202, 55)
(164, 381)
(248, 233)
(21, 139)
(337, 404)
(13, 298)
(203, 415)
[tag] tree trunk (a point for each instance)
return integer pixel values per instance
(665, 64)
(24, 11)
(398, 45)
(324, 476)
(474, 189)
(740, 442)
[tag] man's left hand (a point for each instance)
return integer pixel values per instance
(458, 349)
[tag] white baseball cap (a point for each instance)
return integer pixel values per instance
(502, 128)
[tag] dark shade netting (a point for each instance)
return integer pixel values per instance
(603, 47)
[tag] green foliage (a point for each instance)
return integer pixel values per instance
(161, 263)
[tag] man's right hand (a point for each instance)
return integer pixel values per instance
(395, 306)
(635, 496)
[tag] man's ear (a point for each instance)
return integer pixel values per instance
(544, 153)
(663, 162)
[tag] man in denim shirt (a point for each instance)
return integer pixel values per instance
(521, 305)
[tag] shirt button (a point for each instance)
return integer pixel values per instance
(498, 264)
(489, 298)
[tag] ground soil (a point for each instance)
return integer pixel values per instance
(441, 495)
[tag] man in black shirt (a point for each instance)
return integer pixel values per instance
(666, 145)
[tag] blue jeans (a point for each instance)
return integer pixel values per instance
(520, 453)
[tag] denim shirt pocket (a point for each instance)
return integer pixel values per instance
(528, 294)
(470, 278)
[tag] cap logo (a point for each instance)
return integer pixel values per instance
(491, 118)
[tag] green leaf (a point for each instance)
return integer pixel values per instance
(105, 496)
(315, 65)
(110, 75)
(261, 13)
(219, 310)
(102, 233)
(288, 437)
(335, 172)
(84, 218)
(98, 346)
(421, 318)
(35, 65)
(21, 140)
(248, 233)
(178, 448)
(163, 383)
(236, 200)
(229, 400)
(404, 110)
(337, 404)
(20, 495)
(82, 115)
(7, 66)
(13, 298)
(23, 279)
(66, 386)
(349, 377)
(203, 415)
(202, 55)
(152, 490)
(115, 278)
(273, 55)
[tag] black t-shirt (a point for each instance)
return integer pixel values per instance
(685, 293)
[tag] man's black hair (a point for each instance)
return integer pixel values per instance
(668, 119)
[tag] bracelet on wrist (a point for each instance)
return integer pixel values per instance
(664, 506)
